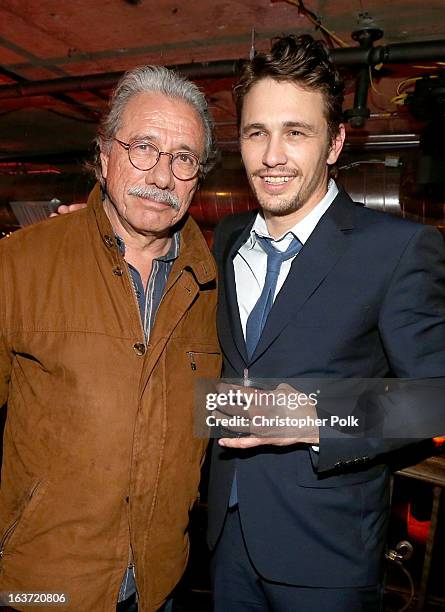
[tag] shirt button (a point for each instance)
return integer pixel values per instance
(118, 271)
(139, 348)
(109, 241)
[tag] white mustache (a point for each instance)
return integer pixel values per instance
(158, 195)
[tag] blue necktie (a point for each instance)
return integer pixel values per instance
(258, 316)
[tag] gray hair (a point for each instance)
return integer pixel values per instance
(153, 79)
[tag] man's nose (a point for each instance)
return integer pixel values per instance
(161, 174)
(275, 152)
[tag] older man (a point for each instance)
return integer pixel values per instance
(107, 317)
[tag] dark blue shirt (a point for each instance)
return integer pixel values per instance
(149, 297)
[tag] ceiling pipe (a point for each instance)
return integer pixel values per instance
(366, 36)
(75, 104)
(397, 53)
(205, 70)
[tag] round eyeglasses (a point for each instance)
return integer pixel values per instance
(144, 155)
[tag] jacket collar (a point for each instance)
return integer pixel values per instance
(194, 253)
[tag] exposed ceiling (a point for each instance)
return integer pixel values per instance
(54, 39)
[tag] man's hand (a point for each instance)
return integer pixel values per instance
(271, 420)
(64, 209)
(251, 442)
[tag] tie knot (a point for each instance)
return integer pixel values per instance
(275, 257)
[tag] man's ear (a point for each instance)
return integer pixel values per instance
(337, 145)
(103, 157)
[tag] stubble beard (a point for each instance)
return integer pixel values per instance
(280, 207)
(283, 206)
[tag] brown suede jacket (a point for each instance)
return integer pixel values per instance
(100, 458)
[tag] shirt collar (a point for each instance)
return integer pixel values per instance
(172, 253)
(303, 228)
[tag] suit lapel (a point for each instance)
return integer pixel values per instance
(229, 320)
(316, 259)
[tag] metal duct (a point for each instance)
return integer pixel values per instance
(375, 185)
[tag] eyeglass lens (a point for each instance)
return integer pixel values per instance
(144, 156)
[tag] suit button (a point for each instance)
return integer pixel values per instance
(118, 271)
(139, 348)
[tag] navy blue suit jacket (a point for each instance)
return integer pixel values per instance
(364, 298)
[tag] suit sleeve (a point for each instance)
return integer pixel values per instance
(412, 331)
(412, 320)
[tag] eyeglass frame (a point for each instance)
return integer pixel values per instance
(127, 146)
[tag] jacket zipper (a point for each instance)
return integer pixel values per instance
(135, 301)
(8, 533)
(131, 563)
(191, 355)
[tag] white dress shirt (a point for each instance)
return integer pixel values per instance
(250, 263)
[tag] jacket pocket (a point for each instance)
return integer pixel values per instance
(12, 532)
(204, 361)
